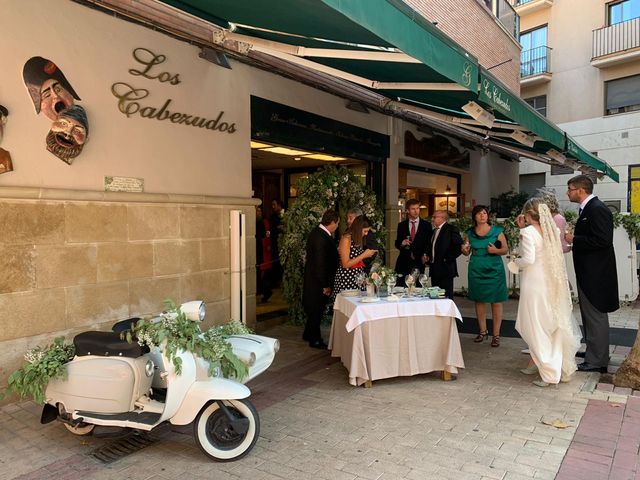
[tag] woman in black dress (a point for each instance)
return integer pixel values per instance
(352, 255)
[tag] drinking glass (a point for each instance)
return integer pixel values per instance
(409, 281)
(391, 283)
(361, 280)
(424, 281)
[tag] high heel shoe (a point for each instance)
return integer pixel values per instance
(481, 337)
(532, 370)
(495, 341)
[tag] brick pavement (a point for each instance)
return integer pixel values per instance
(488, 424)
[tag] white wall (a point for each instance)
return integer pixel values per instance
(94, 51)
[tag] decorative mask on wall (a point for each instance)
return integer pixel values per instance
(5, 157)
(49, 89)
(68, 134)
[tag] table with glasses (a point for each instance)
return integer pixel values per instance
(386, 339)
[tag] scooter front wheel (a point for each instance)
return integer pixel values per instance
(215, 435)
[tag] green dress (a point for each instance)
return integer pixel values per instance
(487, 279)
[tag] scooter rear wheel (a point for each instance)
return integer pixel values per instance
(215, 435)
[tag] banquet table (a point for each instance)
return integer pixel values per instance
(390, 339)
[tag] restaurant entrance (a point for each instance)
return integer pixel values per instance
(288, 145)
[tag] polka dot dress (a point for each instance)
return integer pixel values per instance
(346, 277)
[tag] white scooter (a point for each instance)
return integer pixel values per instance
(114, 383)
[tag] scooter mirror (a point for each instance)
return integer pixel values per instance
(194, 310)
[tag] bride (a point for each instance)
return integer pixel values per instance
(545, 312)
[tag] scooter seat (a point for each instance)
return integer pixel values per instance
(106, 344)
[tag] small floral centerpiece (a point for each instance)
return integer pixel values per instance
(42, 364)
(381, 276)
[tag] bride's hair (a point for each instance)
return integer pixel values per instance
(532, 207)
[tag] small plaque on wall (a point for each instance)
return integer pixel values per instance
(123, 184)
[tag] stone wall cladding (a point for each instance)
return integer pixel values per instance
(474, 27)
(70, 266)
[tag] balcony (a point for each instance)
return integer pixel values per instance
(616, 44)
(524, 7)
(535, 66)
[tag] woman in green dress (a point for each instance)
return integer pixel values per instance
(486, 244)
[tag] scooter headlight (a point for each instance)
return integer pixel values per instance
(149, 368)
(194, 310)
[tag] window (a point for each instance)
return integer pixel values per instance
(623, 11)
(623, 95)
(539, 104)
(634, 188)
(533, 59)
(531, 182)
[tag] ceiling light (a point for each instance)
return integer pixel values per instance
(523, 138)
(285, 151)
(215, 57)
(324, 157)
(297, 159)
(357, 106)
(557, 156)
(478, 113)
(447, 190)
(259, 145)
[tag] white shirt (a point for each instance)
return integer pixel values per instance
(436, 232)
(417, 222)
(585, 201)
(325, 229)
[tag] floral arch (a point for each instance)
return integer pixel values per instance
(331, 187)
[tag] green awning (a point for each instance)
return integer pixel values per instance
(389, 48)
(407, 30)
(501, 99)
(582, 155)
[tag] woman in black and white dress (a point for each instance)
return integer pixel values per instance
(352, 255)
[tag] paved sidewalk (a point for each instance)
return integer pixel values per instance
(490, 423)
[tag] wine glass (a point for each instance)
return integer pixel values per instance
(361, 280)
(424, 281)
(409, 281)
(391, 283)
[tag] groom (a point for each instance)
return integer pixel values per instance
(594, 261)
(319, 272)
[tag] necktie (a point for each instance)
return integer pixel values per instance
(413, 230)
(579, 211)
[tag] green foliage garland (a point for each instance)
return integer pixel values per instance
(41, 365)
(174, 332)
(630, 222)
(331, 187)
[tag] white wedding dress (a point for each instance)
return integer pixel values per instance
(545, 313)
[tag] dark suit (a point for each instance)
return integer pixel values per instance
(411, 257)
(594, 261)
(371, 242)
(319, 272)
(443, 266)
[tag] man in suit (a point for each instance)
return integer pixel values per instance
(594, 260)
(446, 247)
(369, 240)
(412, 240)
(319, 272)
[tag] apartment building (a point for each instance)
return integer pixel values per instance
(580, 67)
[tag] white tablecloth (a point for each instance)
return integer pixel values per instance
(391, 339)
(359, 312)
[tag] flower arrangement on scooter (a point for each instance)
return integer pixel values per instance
(175, 332)
(41, 365)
